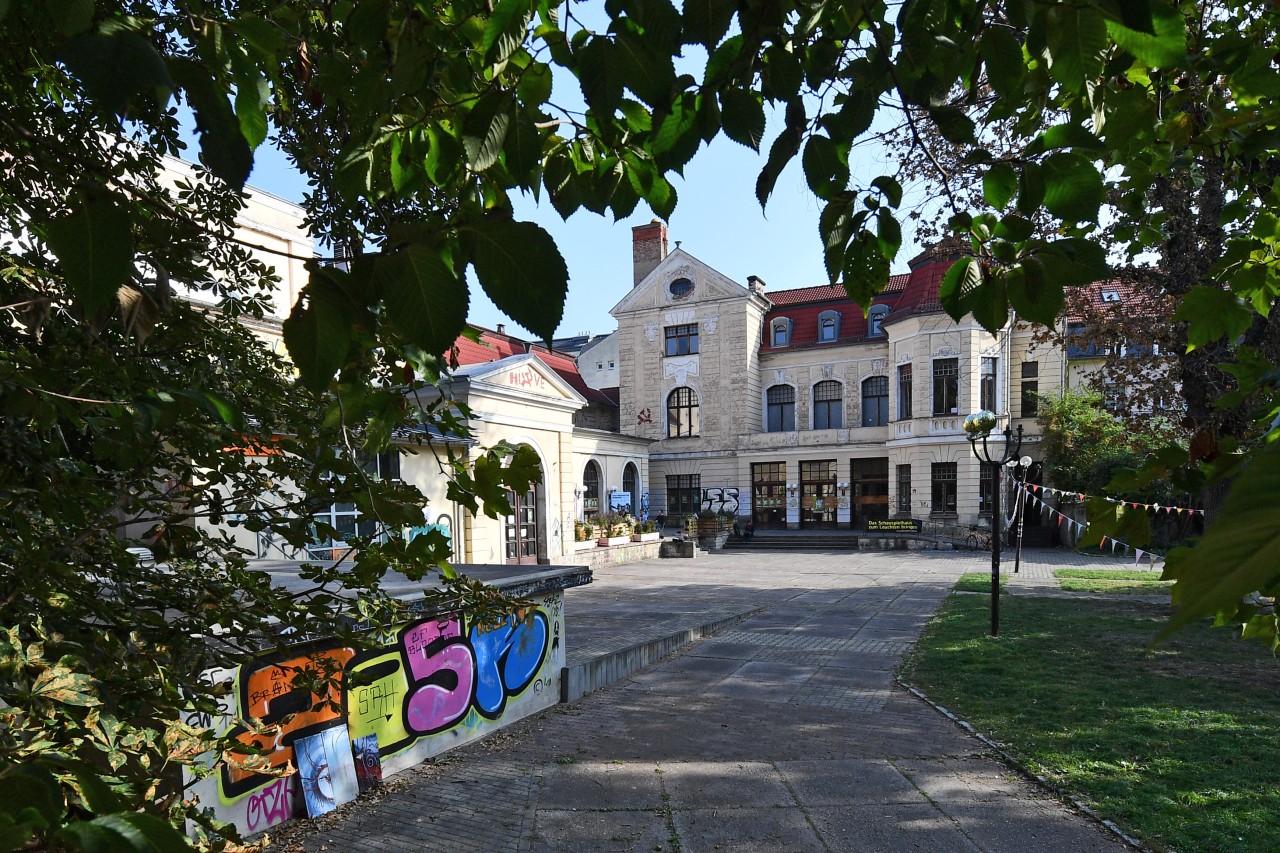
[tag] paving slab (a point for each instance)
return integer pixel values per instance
(784, 731)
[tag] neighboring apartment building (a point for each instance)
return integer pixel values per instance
(794, 409)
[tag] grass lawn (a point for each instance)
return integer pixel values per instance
(1113, 581)
(979, 581)
(1178, 746)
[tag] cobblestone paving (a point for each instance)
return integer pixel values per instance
(782, 733)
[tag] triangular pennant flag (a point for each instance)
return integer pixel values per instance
(1137, 555)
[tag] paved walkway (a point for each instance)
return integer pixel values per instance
(784, 732)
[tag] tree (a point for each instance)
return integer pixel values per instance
(415, 123)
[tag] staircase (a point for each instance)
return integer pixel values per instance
(818, 540)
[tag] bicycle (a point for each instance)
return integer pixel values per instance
(978, 539)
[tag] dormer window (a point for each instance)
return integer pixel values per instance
(780, 332)
(1110, 296)
(828, 326)
(875, 320)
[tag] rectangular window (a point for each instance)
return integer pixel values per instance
(682, 340)
(946, 386)
(984, 490)
(904, 489)
(1030, 387)
(944, 488)
(769, 493)
(987, 395)
(684, 494)
(904, 392)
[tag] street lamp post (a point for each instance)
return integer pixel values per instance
(1020, 469)
(979, 426)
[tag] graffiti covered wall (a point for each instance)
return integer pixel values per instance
(444, 681)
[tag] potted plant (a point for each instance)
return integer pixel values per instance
(584, 536)
(646, 531)
(713, 528)
(615, 528)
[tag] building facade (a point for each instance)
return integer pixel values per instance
(796, 409)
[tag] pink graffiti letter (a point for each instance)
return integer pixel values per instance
(442, 668)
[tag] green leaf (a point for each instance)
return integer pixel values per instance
(1064, 136)
(535, 84)
(484, 130)
(599, 78)
(1077, 38)
(317, 332)
(92, 837)
(742, 117)
(986, 296)
(780, 154)
(1073, 261)
(1212, 313)
(145, 833)
(836, 225)
(505, 30)
(71, 16)
(676, 139)
(1136, 15)
(94, 246)
(522, 271)
(1164, 47)
(824, 167)
(31, 786)
(954, 125)
(706, 21)
(223, 147)
(888, 233)
(889, 188)
(1033, 297)
(113, 67)
(426, 299)
(1073, 189)
(1240, 551)
(524, 150)
(251, 101)
(1030, 189)
(999, 185)
(1006, 71)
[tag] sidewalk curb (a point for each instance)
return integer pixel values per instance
(579, 679)
(1110, 825)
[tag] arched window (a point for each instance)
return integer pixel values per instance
(780, 403)
(875, 401)
(828, 326)
(682, 413)
(631, 485)
(875, 320)
(780, 332)
(591, 487)
(828, 405)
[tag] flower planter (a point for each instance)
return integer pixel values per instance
(584, 546)
(613, 540)
(646, 537)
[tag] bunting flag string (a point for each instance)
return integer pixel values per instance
(1171, 510)
(1078, 528)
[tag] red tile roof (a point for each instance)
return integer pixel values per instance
(827, 292)
(494, 346)
(1122, 297)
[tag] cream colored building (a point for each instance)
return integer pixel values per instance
(792, 408)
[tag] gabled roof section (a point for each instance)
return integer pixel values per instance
(708, 284)
(525, 373)
(805, 307)
(920, 295)
(494, 346)
(1112, 296)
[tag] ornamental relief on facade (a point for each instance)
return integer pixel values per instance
(677, 318)
(947, 351)
(828, 371)
(780, 376)
(651, 331)
(680, 368)
(710, 323)
(904, 357)
(877, 365)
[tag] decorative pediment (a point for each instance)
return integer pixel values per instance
(679, 283)
(522, 374)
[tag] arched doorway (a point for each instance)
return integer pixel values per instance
(524, 531)
(591, 490)
(631, 485)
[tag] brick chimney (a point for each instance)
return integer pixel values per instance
(648, 248)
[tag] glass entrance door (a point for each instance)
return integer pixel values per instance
(522, 527)
(818, 494)
(769, 494)
(870, 479)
